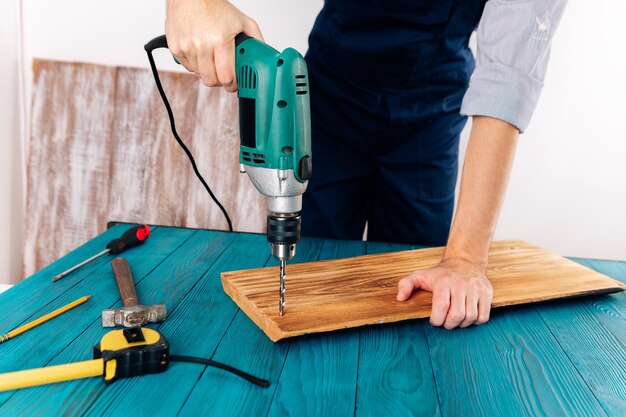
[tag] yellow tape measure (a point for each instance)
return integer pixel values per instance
(120, 354)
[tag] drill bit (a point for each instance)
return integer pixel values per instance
(281, 303)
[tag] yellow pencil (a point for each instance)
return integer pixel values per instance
(43, 319)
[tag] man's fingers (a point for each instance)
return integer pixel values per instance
(193, 63)
(250, 28)
(484, 307)
(185, 53)
(484, 310)
(441, 305)
(206, 69)
(185, 63)
(471, 308)
(200, 34)
(225, 66)
(456, 313)
(180, 57)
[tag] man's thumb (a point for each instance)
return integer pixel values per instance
(405, 288)
(408, 284)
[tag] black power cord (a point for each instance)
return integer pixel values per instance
(250, 378)
(161, 42)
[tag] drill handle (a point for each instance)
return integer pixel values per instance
(240, 38)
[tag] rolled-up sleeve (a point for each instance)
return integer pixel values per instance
(513, 38)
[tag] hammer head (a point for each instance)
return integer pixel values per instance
(134, 316)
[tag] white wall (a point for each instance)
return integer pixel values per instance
(567, 192)
(11, 193)
(114, 32)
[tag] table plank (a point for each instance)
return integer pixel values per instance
(595, 353)
(184, 282)
(539, 369)
(31, 297)
(71, 337)
(591, 333)
(470, 377)
(559, 358)
(244, 346)
(320, 372)
(395, 377)
(609, 311)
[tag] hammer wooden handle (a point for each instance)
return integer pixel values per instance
(125, 282)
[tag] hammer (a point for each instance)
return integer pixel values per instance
(133, 314)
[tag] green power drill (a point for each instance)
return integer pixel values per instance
(275, 131)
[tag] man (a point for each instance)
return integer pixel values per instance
(390, 93)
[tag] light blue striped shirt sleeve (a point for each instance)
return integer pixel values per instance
(514, 38)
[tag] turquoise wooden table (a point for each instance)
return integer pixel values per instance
(560, 359)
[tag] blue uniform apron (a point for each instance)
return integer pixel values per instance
(387, 80)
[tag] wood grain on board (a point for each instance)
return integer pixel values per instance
(330, 295)
(100, 149)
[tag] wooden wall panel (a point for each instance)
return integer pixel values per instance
(72, 114)
(150, 178)
(216, 144)
(101, 149)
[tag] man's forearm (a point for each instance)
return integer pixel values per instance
(486, 170)
(462, 293)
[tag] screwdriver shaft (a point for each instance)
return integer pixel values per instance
(281, 303)
(74, 268)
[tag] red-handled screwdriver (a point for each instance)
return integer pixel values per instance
(134, 236)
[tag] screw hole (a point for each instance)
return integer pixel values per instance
(280, 63)
(281, 104)
(242, 51)
(287, 149)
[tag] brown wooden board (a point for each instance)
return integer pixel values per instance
(337, 294)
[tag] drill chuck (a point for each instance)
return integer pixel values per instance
(283, 251)
(283, 232)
